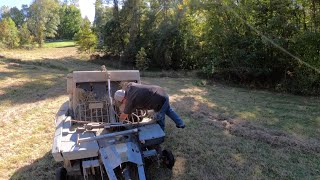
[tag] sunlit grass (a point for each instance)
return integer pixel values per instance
(33, 86)
(59, 44)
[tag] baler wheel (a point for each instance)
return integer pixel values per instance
(61, 173)
(168, 158)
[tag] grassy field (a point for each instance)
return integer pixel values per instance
(59, 44)
(231, 133)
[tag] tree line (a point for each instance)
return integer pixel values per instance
(42, 20)
(264, 43)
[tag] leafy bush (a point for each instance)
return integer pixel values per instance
(142, 62)
(208, 70)
(26, 38)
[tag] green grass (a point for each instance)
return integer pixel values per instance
(210, 151)
(59, 44)
(231, 133)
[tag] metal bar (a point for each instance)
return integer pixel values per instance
(91, 115)
(85, 113)
(107, 165)
(109, 86)
(80, 111)
(97, 120)
(141, 173)
(90, 163)
(149, 153)
(111, 111)
(80, 140)
(108, 120)
(105, 125)
(101, 171)
(101, 110)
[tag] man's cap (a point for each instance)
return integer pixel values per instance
(119, 95)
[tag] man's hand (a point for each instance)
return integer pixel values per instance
(123, 117)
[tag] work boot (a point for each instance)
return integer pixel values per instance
(181, 126)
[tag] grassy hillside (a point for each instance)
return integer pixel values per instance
(231, 133)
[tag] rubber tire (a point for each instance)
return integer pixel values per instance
(61, 173)
(168, 158)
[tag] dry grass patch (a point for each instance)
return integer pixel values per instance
(33, 86)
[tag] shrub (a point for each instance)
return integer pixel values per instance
(86, 39)
(9, 33)
(208, 70)
(26, 38)
(142, 62)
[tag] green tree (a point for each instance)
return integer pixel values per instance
(85, 38)
(102, 15)
(114, 32)
(70, 21)
(132, 7)
(25, 35)
(25, 10)
(9, 33)
(16, 15)
(4, 11)
(43, 19)
(254, 42)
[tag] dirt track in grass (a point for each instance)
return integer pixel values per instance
(231, 133)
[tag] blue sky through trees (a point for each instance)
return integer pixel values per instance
(86, 6)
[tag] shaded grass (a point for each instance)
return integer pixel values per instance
(35, 64)
(295, 115)
(205, 151)
(215, 154)
(33, 87)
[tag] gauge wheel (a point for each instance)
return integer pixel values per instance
(61, 173)
(168, 158)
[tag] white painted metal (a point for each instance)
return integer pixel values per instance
(71, 150)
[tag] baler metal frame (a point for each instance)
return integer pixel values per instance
(91, 141)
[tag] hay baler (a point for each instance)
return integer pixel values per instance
(91, 141)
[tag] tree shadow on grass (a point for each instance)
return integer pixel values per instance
(295, 115)
(35, 80)
(32, 85)
(42, 168)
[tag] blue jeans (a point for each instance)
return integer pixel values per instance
(166, 110)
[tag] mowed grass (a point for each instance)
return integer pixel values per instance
(226, 135)
(59, 44)
(206, 150)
